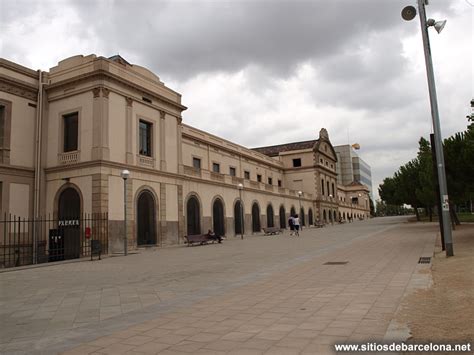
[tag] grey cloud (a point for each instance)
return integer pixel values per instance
(181, 39)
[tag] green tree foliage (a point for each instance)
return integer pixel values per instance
(414, 183)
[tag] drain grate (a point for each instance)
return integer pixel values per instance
(336, 263)
(424, 260)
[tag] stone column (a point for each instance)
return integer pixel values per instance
(180, 147)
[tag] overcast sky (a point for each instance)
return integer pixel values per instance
(270, 72)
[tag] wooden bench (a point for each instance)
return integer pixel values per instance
(271, 230)
(200, 238)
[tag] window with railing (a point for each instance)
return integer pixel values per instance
(70, 132)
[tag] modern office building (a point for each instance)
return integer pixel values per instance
(350, 167)
(67, 134)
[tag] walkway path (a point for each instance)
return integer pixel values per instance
(270, 294)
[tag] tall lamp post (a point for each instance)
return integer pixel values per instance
(125, 174)
(408, 14)
(241, 187)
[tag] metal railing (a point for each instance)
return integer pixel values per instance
(33, 241)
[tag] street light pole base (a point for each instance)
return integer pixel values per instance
(449, 249)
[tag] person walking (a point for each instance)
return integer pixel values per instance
(296, 222)
(291, 223)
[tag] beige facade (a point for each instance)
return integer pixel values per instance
(74, 129)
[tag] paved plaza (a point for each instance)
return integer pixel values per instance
(263, 294)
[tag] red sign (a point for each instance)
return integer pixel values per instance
(88, 232)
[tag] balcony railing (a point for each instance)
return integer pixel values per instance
(146, 161)
(217, 176)
(69, 157)
(191, 170)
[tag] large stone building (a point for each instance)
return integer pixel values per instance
(67, 134)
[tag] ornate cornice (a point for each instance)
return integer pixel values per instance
(101, 75)
(18, 88)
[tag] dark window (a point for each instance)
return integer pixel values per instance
(333, 192)
(327, 164)
(197, 163)
(145, 138)
(232, 171)
(296, 162)
(216, 167)
(279, 183)
(247, 175)
(270, 181)
(259, 178)
(70, 132)
(327, 184)
(322, 186)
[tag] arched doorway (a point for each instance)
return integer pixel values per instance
(292, 211)
(270, 222)
(302, 220)
(218, 217)
(255, 218)
(69, 215)
(146, 221)
(324, 216)
(344, 215)
(335, 216)
(193, 216)
(330, 215)
(282, 217)
(238, 213)
(310, 217)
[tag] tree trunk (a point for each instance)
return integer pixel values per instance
(454, 216)
(417, 214)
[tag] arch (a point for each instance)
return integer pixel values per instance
(302, 219)
(146, 218)
(310, 217)
(193, 215)
(69, 208)
(256, 218)
(282, 217)
(324, 216)
(270, 217)
(335, 216)
(330, 216)
(218, 221)
(344, 215)
(238, 217)
(292, 211)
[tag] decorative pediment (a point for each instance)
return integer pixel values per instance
(323, 145)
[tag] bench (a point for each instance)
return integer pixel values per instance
(319, 224)
(200, 238)
(271, 230)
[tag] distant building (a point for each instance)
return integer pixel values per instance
(350, 167)
(67, 134)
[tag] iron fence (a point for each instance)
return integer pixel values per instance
(33, 241)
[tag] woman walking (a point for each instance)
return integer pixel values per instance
(296, 223)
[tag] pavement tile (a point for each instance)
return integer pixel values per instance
(82, 349)
(151, 348)
(137, 340)
(237, 336)
(222, 345)
(271, 335)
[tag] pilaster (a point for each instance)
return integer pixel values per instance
(163, 225)
(128, 130)
(100, 124)
(162, 141)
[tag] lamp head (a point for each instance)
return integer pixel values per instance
(300, 193)
(125, 174)
(438, 25)
(240, 186)
(408, 13)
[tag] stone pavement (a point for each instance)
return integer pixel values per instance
(260, 295)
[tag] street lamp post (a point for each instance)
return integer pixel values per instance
(125, 174)
(409, 13)
(241, 187)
